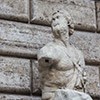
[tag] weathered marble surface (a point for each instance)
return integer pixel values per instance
(67, 94)
(82, 11)
(61, 64)
(91, 85)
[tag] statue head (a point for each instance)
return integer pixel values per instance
(62, 25)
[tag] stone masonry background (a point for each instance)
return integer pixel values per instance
(25, 28)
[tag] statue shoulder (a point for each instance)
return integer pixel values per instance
(47, 56)
(46, 51)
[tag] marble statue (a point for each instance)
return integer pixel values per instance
(61, 64)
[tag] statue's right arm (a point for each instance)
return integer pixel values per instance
(47, 57)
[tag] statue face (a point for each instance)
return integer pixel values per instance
(60, 26)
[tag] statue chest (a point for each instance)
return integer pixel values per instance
(66, 57)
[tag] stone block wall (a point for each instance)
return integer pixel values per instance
(25, 28)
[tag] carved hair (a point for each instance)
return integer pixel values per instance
(68, 18)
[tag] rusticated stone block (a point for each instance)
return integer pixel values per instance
(92, 85)
(89, 44)
(36, 78)
(22, 40)
(14, 75)
(17, 97)
(14, 10)
(82, 12)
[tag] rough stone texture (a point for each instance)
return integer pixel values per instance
(14, 10)
(89, 44)
(82, 12)
(14, 75)
(36, 78)
(18, 97)
(92, 80)
(98, 15)
(21, 39)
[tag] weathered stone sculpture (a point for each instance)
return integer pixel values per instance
(61, 64)
(68, 94)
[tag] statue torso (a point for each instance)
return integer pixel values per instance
(62, 74)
